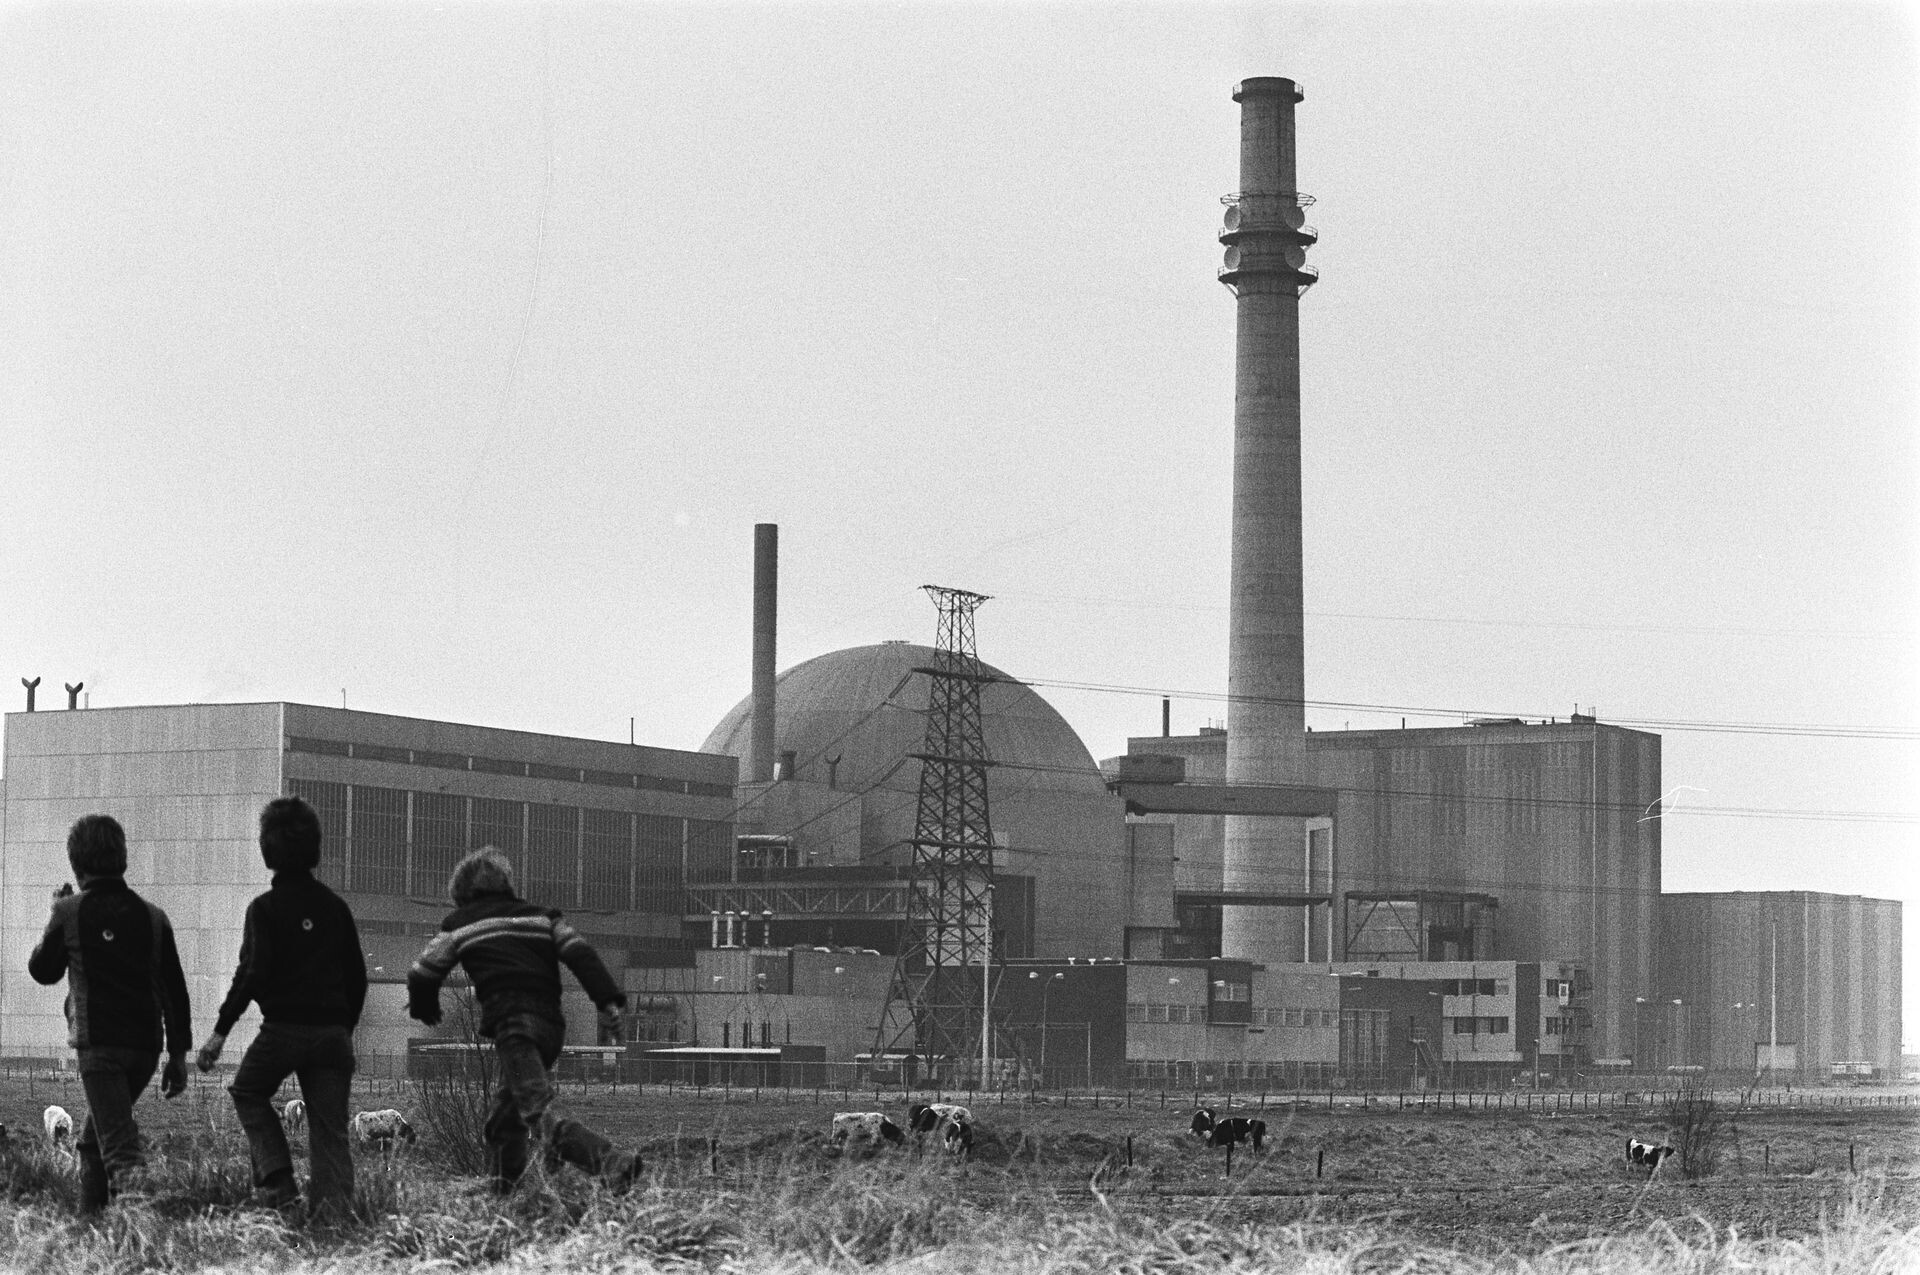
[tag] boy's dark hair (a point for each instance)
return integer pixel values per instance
(485, 871)
(97, 847)
(289, 835)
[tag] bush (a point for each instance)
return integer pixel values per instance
(1700, 1127)
(455, 1093)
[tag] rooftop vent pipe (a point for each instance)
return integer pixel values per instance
(73, 693)
(30, 687)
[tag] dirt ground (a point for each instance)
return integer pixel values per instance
(1472, 1180)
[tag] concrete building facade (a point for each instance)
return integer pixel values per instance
(607, 832)
(1806, 979)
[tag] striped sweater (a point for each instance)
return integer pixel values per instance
(511, 950)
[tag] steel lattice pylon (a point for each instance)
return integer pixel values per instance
(942, 991)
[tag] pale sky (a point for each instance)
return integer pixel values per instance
(446, 354)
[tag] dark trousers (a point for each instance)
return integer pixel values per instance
(322, 1059)
(109, 1145)
(527, 1046)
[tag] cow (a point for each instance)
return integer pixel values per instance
(1647, 1154)
(1202, 1126)
(59, 1127)
(382, 1129)
(1237, 1129)
(956, 1135)
(295, 1114)
(871, 1127)
(925, 1117)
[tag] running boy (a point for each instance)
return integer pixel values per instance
(512, 950)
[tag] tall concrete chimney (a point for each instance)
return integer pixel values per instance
(1266, 238)
(766, 597)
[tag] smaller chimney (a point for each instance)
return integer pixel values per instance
(766, 601)
(1166, 718)
(73, 694)
(30, 688)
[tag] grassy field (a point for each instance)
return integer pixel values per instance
(745, 1185)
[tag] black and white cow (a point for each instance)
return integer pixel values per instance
(1202, 1126)
(871, 1127)
(949, 1122)
(382, 1129)
(1647, 1154)
(1234, 1130)
(956, 1136)
(925, 1117)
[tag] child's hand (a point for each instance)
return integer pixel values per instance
(610, 1022)
(210, 1051)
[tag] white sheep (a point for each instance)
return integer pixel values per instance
(382, 1128)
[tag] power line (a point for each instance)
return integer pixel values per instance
(1589, 626)
(1788, 729)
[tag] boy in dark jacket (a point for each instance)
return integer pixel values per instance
(124, 985)
(300, 958)
(512, 950)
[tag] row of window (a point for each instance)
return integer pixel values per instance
(1150, 1012)
(1477, 986)
(502, 766)
(1482, 1026)
(1559, 1026)
(1296, 1018)
(1276, 1073)
(392, 841)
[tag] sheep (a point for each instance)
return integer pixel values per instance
(382, 1128)
(865, 1126)
(59, 1126)
(1649, 1154)
(295, 1114)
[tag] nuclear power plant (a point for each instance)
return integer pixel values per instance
(1253, 903)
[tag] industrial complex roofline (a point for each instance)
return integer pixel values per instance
(1225, 799)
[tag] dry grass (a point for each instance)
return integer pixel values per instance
(788, 1209)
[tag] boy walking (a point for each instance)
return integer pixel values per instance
(300, 959)
(512, 950)
(124, 989)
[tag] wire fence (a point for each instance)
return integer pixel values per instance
(396, 1080)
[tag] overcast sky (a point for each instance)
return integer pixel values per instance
(443, 356)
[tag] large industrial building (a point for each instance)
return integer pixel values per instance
(1505, 840)
(609, 832)
(1789, 982)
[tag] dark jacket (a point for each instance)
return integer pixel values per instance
(124, 981)
(300, 958)
(512, 950)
